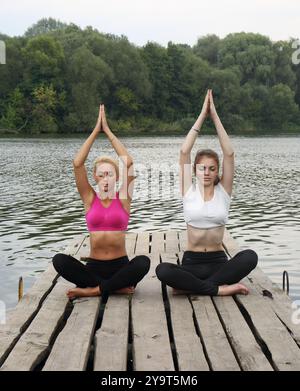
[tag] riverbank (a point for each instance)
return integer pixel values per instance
(150, 133)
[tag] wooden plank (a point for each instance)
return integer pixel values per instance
(111, 340)
(280, 303)
(182, 240)
(218, 349)
(84, 251)
(158, 242)
(245, 347)
(151, 346)
(172, 242)
(230, 244)
(249, 353)
(284, 351)
(74, 245)
(71, 349)
(20, 317)
(212, 331)
(130, 243)
(189, 350)
(33, 345)
(142, 243)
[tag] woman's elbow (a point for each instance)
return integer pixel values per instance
(129, 162)
(184, 152)
(76, 163)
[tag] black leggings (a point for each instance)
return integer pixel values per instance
(203, 272)
(109, 275)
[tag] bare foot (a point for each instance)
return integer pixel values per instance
(229, 290)
(180, 292)
(83, 292)
(126, 290)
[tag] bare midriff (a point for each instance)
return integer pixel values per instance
(205, 239)
(107, 245)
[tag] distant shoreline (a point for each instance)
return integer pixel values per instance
(148, 134)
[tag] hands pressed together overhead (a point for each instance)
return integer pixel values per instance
(208, 108)
(102, 122)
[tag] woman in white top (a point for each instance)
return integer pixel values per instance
(205, 267)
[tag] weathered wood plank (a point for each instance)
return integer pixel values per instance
(189, 350)
(182, 240)
(20, 317)
(284, 351)
(33, 345)
(265, 311)
(71, 349)
(172, 242)
(249, 353)
(157, 243)
(142, 243)
(280, 303)
(111, 340)
(151, 346)
(74, 245)
(245, 347)
(230, 244)
(130, 242)
(218, 349)
(213, 334)
(84, 251)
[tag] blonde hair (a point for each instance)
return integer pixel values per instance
(107, 159)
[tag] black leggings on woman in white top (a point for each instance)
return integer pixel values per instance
(203, 272)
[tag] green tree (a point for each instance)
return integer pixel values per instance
(43, 110)
(252, 53)
(88, 81)
(157, 62)
(14, 116)
(44, 26)
(207, 47)
(282, 109)
(44, 62)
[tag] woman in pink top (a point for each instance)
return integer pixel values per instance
(108, 268)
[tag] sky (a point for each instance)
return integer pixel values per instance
(160, 21)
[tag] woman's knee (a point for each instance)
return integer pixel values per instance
(162, 270)
(142, 262)
(59, 261)
(250, 257)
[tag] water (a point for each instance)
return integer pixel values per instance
(40, 209)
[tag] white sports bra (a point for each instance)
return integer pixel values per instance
(206, 214)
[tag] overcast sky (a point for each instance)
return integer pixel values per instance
(159, 20)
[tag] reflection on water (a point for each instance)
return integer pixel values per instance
(40, 208)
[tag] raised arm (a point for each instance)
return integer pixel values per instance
(126, 189)
(185, 176)
(227, 148)
(84, 188)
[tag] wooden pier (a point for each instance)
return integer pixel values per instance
(151, 330)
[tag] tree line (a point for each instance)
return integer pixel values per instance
(57, 74)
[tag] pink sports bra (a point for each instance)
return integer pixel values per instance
(112, 218)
